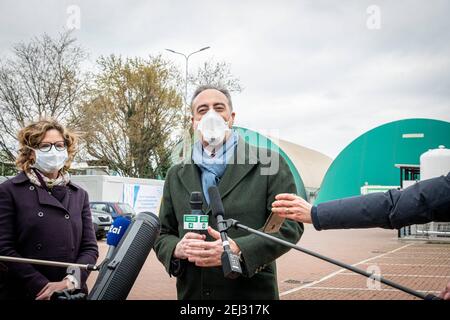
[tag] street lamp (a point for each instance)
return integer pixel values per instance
(186, 57)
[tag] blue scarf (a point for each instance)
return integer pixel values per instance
(213, 168)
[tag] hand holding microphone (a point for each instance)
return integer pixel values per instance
(181, 250)
(209, 253)
(52, 287)
(196, 222)
(195, 249)
(193, 246)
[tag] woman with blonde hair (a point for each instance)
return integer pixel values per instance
(43, 215)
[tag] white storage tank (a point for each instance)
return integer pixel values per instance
(434, 163)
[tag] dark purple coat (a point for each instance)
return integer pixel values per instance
(34, 224)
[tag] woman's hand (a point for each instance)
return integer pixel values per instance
(292, 207)
(51, 287)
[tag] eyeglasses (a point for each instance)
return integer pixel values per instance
(47, 146)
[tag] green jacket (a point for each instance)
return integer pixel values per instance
(247, 195)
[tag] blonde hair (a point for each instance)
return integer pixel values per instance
(31, 136)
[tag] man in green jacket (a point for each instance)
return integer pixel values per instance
(248, 179)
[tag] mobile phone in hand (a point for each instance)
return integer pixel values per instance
(273, 223)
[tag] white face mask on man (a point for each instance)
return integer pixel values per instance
(50, 161)
(213, 128)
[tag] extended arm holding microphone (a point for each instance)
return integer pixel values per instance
(229, 223)
(423, 202)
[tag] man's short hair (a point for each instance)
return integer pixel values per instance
(202, 88)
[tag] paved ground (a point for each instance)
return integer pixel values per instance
(418, 265)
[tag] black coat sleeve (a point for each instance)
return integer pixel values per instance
(425, 201)
(88, 252)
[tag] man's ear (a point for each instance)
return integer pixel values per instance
(233, 114)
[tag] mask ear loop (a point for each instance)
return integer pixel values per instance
(36, 172)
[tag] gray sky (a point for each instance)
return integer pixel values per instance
(312, 70)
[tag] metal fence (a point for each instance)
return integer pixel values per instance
(428, 231)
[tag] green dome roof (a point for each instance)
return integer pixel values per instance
(372, 157)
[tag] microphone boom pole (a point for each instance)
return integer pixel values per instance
(89, 267)
(234, 223)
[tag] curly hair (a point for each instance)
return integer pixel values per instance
(31, 136)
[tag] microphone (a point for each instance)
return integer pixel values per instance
(115, 234)
(230, 262)
(117, 277)
(197, 221)
(196, 203)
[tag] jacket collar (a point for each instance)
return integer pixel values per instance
(20, 178)
(244, 159)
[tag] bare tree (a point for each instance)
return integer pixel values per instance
(133, 110)
(42, 79)
(216, 73)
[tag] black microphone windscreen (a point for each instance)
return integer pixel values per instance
(116, 279)
(215, 201)
(196, 201)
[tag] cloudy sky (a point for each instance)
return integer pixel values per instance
(318, 72)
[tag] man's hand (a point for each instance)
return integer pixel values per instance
(445, 294)
(184, 244)
(51, 287)
(208, 254)
(292, 207)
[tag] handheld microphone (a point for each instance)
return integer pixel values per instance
(196, 221)
(116, 279)
(231, 265)
(115, 234)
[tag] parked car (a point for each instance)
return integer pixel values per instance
(102, 223)
(115, 209)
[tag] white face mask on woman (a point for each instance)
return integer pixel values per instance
(213, 128)
(50, 161)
